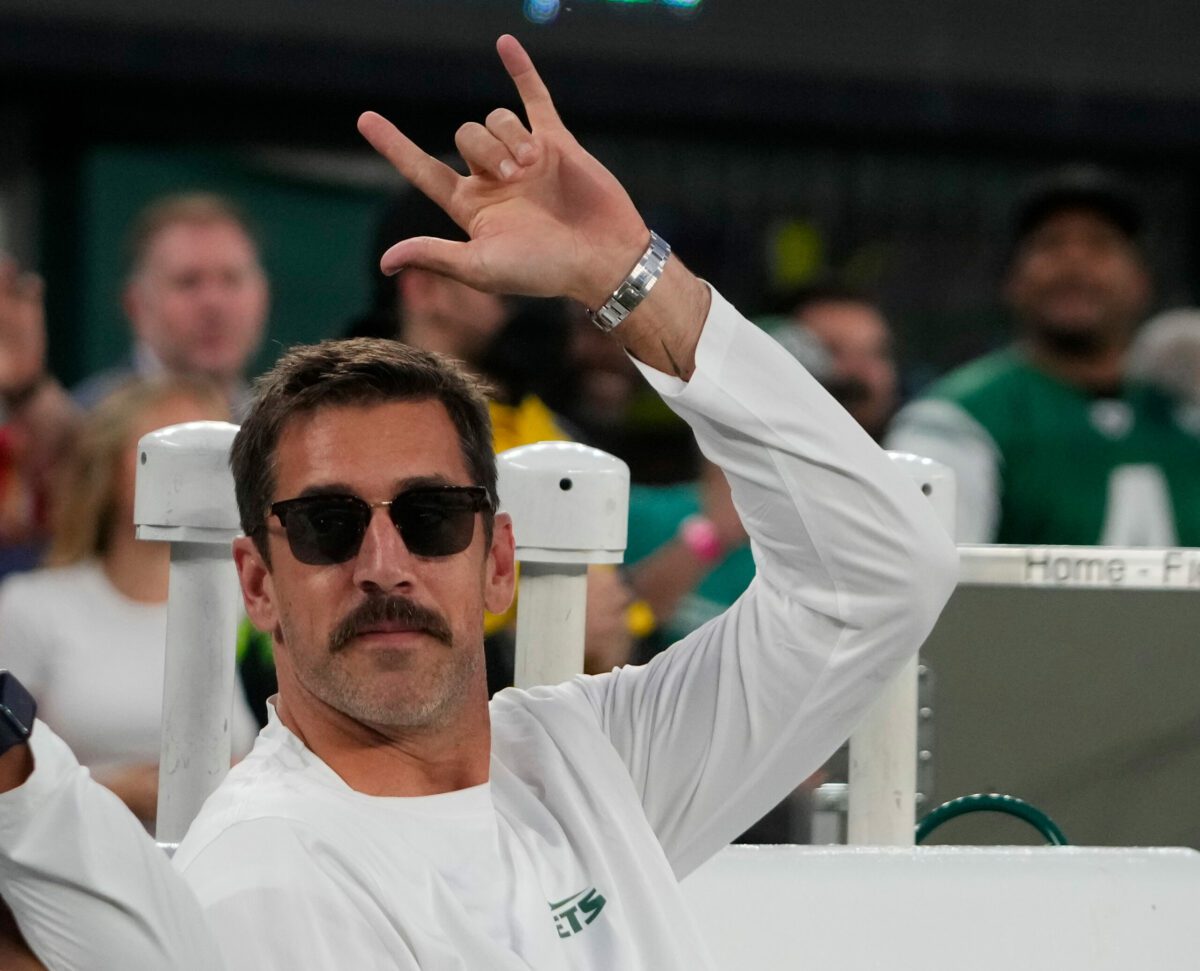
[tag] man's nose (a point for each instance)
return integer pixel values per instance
(218, 292)
(383, 563)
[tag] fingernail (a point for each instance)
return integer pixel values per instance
(525, 151)
(507, 169)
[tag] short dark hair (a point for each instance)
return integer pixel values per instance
(363, 371)
(1087, 187)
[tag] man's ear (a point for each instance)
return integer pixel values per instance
(500, 577)
(258, 587)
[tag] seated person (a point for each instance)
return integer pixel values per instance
(389, 816)
(87, 633)
(36, 419)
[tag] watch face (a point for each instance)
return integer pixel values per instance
(17, 707)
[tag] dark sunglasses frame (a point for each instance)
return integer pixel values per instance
(451, 533)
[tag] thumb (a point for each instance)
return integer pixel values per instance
(442, 256)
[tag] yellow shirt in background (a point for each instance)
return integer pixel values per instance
(512, 426)
(523, 424)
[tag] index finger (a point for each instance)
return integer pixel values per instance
(434, 178)
(539, 107)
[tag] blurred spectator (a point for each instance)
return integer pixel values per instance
(97, 668)
(197, 302)
(1050, 442)
(862, 362)
(37, 418)
(196, 297)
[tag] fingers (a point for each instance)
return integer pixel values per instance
(485, 153)
(442, 256)
(507, 127)
(436, 179)
(539, 108)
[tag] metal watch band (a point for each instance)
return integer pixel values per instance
(636, 286)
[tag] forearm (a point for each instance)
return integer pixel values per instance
(832, 521)
(853, 568)
(665, 328)
(86, 884)
(15, 767)
(666, 576)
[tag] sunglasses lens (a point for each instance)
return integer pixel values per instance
(435, 523)
(325, 530)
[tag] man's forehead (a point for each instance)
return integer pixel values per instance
(191, 237)
(370, 447)
(1072, 220)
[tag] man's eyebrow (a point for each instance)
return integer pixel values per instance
(400, 485)
(425, 481)
(326, 489)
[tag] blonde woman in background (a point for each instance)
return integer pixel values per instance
(86, 634)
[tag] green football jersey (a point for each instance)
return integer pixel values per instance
(1076, 469)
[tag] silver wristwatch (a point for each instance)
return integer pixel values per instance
(636, 287)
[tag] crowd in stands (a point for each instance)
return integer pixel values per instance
(1085, 430)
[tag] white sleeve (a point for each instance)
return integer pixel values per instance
(86, 884)
(853, 569)
(943, 431)
(277, 901)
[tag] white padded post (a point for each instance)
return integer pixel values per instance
(570, 508)
(883, 749)
(185, 497)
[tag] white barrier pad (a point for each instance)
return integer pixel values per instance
(946, 908)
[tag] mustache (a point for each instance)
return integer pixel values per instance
(398, 610)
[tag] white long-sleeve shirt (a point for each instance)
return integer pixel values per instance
(605, 790)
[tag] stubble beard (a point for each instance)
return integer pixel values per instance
(407, 692)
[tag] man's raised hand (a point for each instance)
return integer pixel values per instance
(544, 218)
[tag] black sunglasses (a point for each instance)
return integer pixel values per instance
(432, 521)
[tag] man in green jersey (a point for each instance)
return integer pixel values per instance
(1050, 442)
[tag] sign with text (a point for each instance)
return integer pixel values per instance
(1093, 567)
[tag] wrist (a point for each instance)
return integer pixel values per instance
(613, 270)
(664, 331)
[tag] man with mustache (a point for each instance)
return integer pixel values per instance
(389, 817)
(1049, 441)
